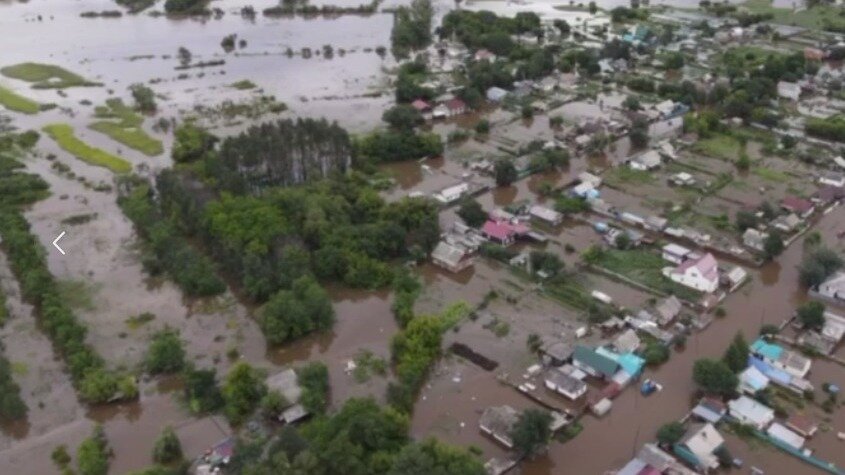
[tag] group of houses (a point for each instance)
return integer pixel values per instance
(440, 110)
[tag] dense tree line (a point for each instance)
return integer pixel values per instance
(27, 260)
(334, 230)
(414, 351)
(280, 153)
(186, 7)
(12, 407)
(360, 439)
(290, 314)
(397, 145)
(165, 248)
(411, 28)
(483, 29)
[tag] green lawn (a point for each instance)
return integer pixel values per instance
(15, 102)
(64, 136)
(243, 84)
(625, 175)
(646, 268)
(771, 175)
(124, 126)
(719, 146)
(46, 76)
(814, 18)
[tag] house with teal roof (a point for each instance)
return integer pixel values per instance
(594, 363)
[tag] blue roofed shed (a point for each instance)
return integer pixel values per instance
(767, 350)
(596, 363)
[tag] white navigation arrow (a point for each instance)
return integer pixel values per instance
(56, 241)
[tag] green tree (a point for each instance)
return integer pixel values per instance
(242, 391)
(273, 403)
(670, 433)
(714, 376)
(201, 390)
(773, 246)
(433, 457)
(191, 143)
(411, 28)
(165, 354)
(531, 433)
(745, 220)
(292, 313)
(145, 100)
(639, 134)
(402, 117)
(811, 315)
(736, 356)
(167, 448)
(592, 7)
(819, 264)
(482, 127)
(313, 378)
(472, 213)
(92, 456)
(505, 172)
(655, 353)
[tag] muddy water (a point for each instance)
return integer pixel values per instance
(117, 52)
(634, 420)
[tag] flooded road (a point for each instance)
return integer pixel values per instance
(634, 420)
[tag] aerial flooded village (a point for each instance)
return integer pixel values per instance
(422, 237)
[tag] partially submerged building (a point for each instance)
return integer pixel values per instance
(700, 273)
(497, 422)
(750, 412)
(699, 447)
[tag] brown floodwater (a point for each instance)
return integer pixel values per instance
(634, 420)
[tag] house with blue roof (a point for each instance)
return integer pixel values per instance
(594, 363)
(792, 362)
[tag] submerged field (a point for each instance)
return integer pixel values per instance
(15, 102)
(46, 76)
(123, 125)
(64, 136)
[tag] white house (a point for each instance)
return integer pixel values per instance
(645, 161)
(834, 287)
(703, 441)
(564, 384)
(547, 215)
(833, 179)
(675, 254)
(789, 90)
(701, 273)
(754, 239)
(750, 412)
(786, 436)
(452, 193)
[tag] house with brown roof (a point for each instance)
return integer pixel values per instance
(797, 205)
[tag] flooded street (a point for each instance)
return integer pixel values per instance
(634, 420)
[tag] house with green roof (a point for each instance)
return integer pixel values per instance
(594, 363)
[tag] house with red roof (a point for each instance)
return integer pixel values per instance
(700, 273)
(422, 107)
(503, 232)
(799, 206)
(455, 106)
(485, 55)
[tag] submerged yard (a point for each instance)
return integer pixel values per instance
(123, 125)
(64, 136)
(643, 267)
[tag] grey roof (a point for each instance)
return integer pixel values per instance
(499, 419)
(286, 383)
(668, 309)
(448, 253)
(558, 350)
(627, 342)
(564, 381)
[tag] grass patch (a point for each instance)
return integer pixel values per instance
(368, 364)
(124, 126)
(626, 175)
(719, 146)
(77, 294)
(243, 85)
(814, 18)
(643, 267)
(64, 136)
(137, 321)
(46, 76)
(15, 102)
(19, 368)
(771, 175)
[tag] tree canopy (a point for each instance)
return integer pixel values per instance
(715, 377)
(531, 433)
